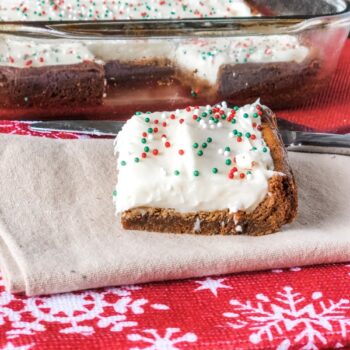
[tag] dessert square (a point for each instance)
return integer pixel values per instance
(204, 170)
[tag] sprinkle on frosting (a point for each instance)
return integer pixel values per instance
(188, 167)
(97, 10)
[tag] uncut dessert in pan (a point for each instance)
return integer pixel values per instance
(88, 77)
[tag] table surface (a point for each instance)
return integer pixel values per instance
(295, 308)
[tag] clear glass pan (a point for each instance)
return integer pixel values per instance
(109, 69)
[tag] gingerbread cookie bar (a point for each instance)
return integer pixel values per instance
(204, 170)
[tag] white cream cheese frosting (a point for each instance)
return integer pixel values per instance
(84, 10)
(199, 158)
(38, 53)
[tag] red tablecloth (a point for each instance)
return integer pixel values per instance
(297, 308)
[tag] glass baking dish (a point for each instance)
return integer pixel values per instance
(284, 55)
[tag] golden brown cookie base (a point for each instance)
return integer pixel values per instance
(278, 208)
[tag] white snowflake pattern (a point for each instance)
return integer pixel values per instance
(72, 310)
(212, 284)
(287, 311)
(155, 341)
(10, 346)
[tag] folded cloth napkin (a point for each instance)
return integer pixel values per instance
(58, 230)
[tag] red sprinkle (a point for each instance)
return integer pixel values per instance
(239, 139)
(144, 155)
(167, 144)
(181, 121)
(259, 127)
(230, 175)
(195, 117)
(156, 121)
(144, 134)
(172, 116)
(253, 137)
(164, 136)
(181, 152)
(188, 109)
(155, 130)
(29, 63)
(254, 125)
(242, 176)
(164, 124)
(155, 152)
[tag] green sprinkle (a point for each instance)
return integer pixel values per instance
(136, 159)
(114, 193)
(176, 173)
(209, 139)
(146, 149)
(204, 114)
(200, 152)
(138, 113)
(147, 120)
(239, 134)
(196, 173)
(247, 135)
(143, 140)
(223, 116)
(228, 162)
(227, 149)
(193, 93)
(199, 119)
(235, 132)
(254, 148)
(234, 121)
(150, 130)
(236, 108)
(214, 170)
(265, 149)
(148, 112)
(255, 115)
(195, 145)
(204, 145)
(123, 163)
(245, 115)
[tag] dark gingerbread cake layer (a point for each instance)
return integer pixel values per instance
(73, 85)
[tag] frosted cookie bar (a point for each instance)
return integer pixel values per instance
(204, 170)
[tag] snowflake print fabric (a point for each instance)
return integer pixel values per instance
(297, 308)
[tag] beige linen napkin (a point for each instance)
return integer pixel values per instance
(58, 231)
